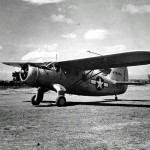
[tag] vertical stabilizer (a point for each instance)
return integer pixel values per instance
(119, 74)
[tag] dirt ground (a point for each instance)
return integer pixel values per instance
(92, 123)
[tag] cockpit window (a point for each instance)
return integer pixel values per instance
(50, 66)
(105, 72)
(57, 67)
(53, 66)
(67, 71)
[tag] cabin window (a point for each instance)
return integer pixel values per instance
(67, 71)
(105, 72)
(53, 66)
(57, 67)
(50, 66)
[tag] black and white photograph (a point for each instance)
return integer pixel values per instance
(74, 75)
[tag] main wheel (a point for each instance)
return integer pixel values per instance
(60, 101)
(34, 100)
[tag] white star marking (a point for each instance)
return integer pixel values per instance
(99, 83)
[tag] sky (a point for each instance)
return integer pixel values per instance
(37, 30)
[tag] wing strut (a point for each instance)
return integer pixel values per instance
(78, 81)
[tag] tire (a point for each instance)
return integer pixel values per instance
(36, 99)
(35, 102)
(61, 101)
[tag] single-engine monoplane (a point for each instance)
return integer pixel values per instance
(95, 76)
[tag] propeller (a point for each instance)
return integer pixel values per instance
(24, 71)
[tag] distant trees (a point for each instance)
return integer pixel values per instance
(15, 82)
(144, 81)
(5, 83)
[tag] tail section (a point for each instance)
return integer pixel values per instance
(119, 74)
(120, 78)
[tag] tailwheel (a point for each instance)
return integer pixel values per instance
(61, 101)
(116, 98)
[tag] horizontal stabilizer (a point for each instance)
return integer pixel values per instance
(129, 83)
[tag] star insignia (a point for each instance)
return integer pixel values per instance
(99, 83)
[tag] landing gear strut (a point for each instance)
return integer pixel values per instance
(116, 98)
(60, 101)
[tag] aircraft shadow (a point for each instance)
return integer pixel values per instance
(44, 103)
(106, 102)
(110, 102)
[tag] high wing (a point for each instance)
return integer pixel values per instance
(101, 62)
(110, 61)
(20, 64)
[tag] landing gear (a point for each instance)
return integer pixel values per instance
(61, 101)
(36, 99)
(116, 98)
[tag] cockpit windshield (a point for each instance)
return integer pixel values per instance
(49, 65)
(53, 66)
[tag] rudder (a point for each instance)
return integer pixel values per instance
(119, 74)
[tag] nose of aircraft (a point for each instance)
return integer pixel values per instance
(40, 76)
(29, 74)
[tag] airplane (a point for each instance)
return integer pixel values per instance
(94, 76)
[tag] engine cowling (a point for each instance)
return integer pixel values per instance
(39, 76)
(29, 74)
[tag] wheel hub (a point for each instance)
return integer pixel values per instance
(62, 101)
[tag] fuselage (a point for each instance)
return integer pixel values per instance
(87, 83)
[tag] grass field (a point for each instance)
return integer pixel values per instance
(93, 123)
